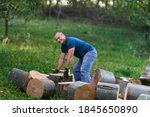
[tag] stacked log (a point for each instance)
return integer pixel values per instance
(134, 90)
(19, 78)
(107, 91)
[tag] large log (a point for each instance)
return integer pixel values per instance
(19, 78)
(58, 77)
(134, 90)
(40, 88)
(143, 97)
(81, 91)
(107, 91)
(107, 76)
(61, 89)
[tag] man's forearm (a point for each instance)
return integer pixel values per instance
(69, 61)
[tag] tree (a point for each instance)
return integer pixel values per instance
(9, 7)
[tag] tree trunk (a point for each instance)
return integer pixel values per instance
(40, 88)
(81, 91)
(107, 91)
(5, 40)
(134, 90)
(19, 78)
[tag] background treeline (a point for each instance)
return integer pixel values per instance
(117, 12)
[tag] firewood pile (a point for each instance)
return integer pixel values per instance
(104, 85)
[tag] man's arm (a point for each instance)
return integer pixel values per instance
(61, 60)
(70, 57)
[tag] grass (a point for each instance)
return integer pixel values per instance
(32, 47)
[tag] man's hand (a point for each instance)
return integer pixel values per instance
(56, 71)
(66, 73)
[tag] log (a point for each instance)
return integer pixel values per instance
(19, 78)
(107, 91)
(134, 90)
(37, 75)
(81, 91)
(40, 88)
(61, 89)
(58, 77)
(122, 84)
(107, 76)
(143, 97)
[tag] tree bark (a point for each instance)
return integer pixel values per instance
(134, 90)
(19, 78)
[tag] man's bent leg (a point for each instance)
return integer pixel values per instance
(76, 70)
(87, 63)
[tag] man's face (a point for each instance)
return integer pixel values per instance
(60, 38)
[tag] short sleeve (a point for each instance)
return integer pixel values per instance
(71, 44)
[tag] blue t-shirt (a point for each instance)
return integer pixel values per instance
(81, 47)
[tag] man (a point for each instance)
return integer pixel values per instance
(80, 49)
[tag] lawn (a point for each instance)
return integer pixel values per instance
(32, 47)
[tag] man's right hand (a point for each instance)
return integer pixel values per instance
(56, 71)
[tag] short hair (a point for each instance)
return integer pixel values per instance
(58, 34)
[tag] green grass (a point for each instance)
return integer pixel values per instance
(32, 47)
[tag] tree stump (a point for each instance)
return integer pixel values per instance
(58, 77)
(107, 91)
(19, 78)
(134, 90)
(81, 91)
(143, 97)
(40, 88)
(107, 76)
(61, 89)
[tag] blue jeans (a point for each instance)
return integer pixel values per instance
(82, 68)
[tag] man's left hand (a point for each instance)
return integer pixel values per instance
(66, 73)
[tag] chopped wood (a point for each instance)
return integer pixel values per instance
(96, 77)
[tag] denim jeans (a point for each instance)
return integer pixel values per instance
(82, 68)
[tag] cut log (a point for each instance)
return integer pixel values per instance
(122, 84)
(37, 75)
(40, 88)
(81, 91)
(60, 78)
(107, 91)
(19, 78)
(107, 76)
(61, 89)
(143, 97)
(134, 90)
